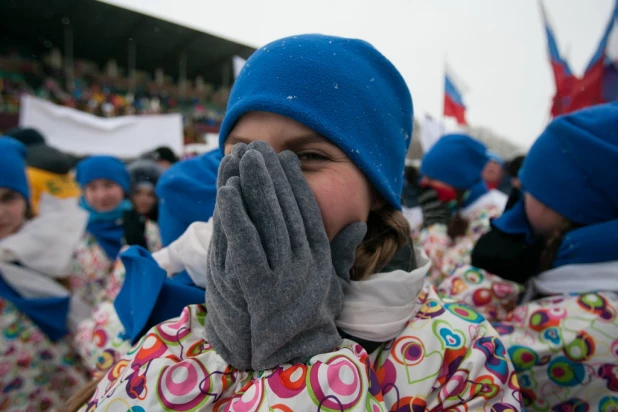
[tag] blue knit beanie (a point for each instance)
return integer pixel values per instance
(187, 192)
(573, 166)
(13, 166)
(344, 89)
(103, 167)
(457, 160)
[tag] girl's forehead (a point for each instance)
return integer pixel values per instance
(275, 129)
(269, 123)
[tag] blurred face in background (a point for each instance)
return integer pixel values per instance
(144, 199)
(103, 195)
(164, 164)
(13, 208)
(492, 172)
(544, 221)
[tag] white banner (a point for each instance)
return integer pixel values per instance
(85, 134)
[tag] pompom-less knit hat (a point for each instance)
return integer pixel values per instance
(103, 167)
(344, 89)
(457, 160)
(144, 172)
(13, 166)
(573, 166)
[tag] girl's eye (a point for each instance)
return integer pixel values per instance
(311, 156)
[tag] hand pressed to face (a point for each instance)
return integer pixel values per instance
(227, 326)
(343, 193)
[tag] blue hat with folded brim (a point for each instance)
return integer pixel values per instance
(343, 89)
(103, 167)
(13, 166)
(457, 160)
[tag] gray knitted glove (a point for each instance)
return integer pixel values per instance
(278, 249)
(227, 322)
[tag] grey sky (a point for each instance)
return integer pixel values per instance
(497, 47)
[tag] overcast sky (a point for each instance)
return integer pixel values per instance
(497, 47)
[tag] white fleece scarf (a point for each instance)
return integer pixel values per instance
(46, 243)
(377, 308)
(579, 278)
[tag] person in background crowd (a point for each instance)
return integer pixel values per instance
(113, 223)
(38, 367)
(562, 336)
(49, 169)
(409, 196)
(144, 176)
(300, 187)
(165, 157)
(456, 203)
(138, 297)
(512, 170)
(493, 171)
(512, 174)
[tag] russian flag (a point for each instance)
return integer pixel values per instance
(599, 83)
(453, 101)
(563, 77)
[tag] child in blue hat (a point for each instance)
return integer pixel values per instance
(456, 202)
(559, 244)
(139, 295)
(39, 368)
(315, 296)
(112, 223)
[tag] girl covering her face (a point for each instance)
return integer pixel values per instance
(315, 296)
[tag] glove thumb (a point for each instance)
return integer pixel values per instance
(343, 248)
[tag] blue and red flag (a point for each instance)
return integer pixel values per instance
(453, 101)
(563, 77)
(599, 83)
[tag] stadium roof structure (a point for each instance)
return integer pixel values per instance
(101, 32)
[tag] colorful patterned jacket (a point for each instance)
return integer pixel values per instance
(444, 356)
(564, 347)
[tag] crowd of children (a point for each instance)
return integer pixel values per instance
(287, 271)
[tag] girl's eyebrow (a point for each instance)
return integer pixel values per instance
(232, 140)
(288, 142)
(302, 140)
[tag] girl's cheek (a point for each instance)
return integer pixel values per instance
(341, 201)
